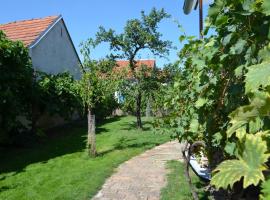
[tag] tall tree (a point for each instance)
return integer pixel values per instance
(94, 86)
(139, 34)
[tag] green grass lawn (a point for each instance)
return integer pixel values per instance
(177, 187)
(59, 167)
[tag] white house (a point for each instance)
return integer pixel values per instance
(50, 46)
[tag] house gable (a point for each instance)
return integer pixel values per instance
(55, 52)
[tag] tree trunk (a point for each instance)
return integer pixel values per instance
(138, 110)
(91, 138)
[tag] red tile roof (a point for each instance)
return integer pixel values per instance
(27, 31)
(125, 63)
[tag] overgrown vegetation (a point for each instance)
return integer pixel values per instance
(221, 95)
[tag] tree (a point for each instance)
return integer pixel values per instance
(147, 83)
(94, 86)
(139, 34)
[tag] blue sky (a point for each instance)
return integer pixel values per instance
(83, 17)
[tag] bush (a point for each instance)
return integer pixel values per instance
(105, 108)
(15, 86)
(25, 95)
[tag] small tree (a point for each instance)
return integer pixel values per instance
(95, 85)
(139, 34)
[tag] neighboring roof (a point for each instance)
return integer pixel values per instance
(28, 31)
(121, 64)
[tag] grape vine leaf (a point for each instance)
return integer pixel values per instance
(266, 7)
(241, 132)
(248, 5)
(249, 165)
(266, 190)
(257, 76)
(239, 71)
(227, 39)
(255, 125)
(230, 148)
(215, 9)
(259, 107)
(200, 102)
(235, 126)
(238, 47)
(264, 54)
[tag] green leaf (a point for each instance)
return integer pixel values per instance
(226, 40)
(266, 7)
(239, 71)
(257, 76)
(215, 9)
(200, 102)
(176, 84)
(182, 38)
(249, 166)
(230, 148)
(238, 47)
(221, 20)
(248, 5)
(236, 124)
(266, 190)
(217, 137)
(255, 125)
(241, 132)
(259, 107)
(264, 54)
(194, 125)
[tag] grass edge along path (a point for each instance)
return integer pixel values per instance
(177, 186)
(61, 169)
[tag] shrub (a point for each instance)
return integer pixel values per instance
(15, 86)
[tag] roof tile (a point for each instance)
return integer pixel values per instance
(27, 31)
(139, 63)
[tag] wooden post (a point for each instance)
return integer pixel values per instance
(201, 18)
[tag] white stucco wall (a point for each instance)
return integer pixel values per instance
(55, 54)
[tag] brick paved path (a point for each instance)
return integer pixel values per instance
(142, 177)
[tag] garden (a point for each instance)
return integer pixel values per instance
(215, 101)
